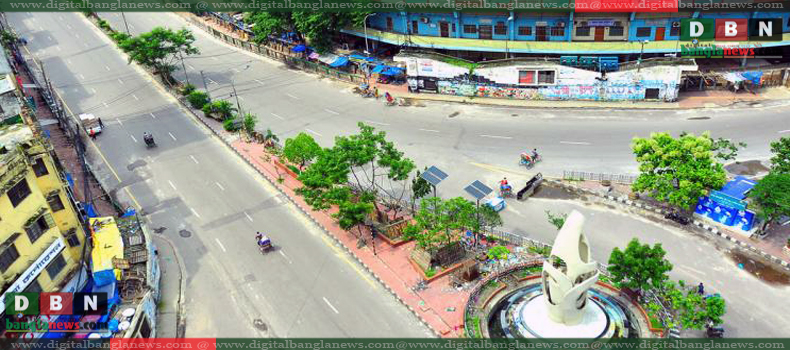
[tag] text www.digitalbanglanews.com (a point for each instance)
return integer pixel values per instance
(386, 5)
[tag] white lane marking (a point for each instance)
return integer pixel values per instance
(76, 35)
(257, 296)
(259, 82)
(82, 77)
(248, 216)
(235, 70)
(331, 111)
(286, 258)
(214, 58)
(330, 305)
(190, 67)
(277, 199)
(68, 61)
(275, 114)
(312, 132)
(107, 68)
(119, 121)
(193, 159)
(152, 115)
(120, 81)
(59, 49)
(575, 143)
(211, 81)
(68, 26)
(497, 137)
(93, 91)
(372, 122)
(220, 186)
(133, 139)
(135, 97)
(49, 38)
(428, 130)
(220, 245)
(105, 104)
(784, 131)
(241, 97)
(291, 96)
(171, 185)
(171, 136)
(86, 44)
(60, 18)
(195, 212)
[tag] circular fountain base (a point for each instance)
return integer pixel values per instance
(532, 316)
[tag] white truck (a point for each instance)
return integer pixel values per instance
(91, 122)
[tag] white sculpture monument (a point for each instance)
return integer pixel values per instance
(565, 310)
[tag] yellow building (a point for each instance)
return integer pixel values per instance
(41, 240)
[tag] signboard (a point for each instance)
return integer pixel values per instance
(35, 269)
(541, 24)
(600, 22)
(727, 201)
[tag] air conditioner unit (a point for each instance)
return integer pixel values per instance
(425, 20)
(675, 24)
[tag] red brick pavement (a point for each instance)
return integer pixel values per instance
(438, 305)
(66, 153)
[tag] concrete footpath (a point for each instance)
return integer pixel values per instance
(171, 293)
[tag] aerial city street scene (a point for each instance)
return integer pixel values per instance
(507, 171)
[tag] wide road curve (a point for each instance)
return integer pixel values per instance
(191, 185)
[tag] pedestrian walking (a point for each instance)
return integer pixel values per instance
(92, 134)
(701, 289)
(101, 123)
(376, 92)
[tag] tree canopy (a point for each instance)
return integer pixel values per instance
(772, 196)
(317, 26)
(677, 170)
(780, 162)
(438, 221)
(639, 266)
(695, 311)
(158, 48)
(301, 149)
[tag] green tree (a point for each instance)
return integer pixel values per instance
(556, 220)
(248, 123)
(780, 163)
(352, 213)
(639, 267)
(324, 182)
(724, 149)
(677, 171)
(772, 196)
(159, 49)
(489, 219)
(266, 24)
(419, 188)
(269, 138)
(318, 27)
(301, 149)
(695, 311)
(498, 252)
(8, 37)
(438, 221)
(221, 110)
(197, 99)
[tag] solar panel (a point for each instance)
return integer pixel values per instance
(478, 190)
(433, 175)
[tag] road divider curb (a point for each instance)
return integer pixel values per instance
(708, 228)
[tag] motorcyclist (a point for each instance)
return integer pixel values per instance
(525, 158)
(535, 154)
(258, 236)
(388, 97)
(504, 186)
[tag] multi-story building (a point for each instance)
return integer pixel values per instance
(41, 237)
(10, 108)
(488, 35)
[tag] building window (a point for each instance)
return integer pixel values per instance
(389, 24)
(486, 32)
(145, 328)
(500, 29)
(56, 266)
(72, 239)
(8, 257)
(37, 228)
(557, 31)
(19, 192)
(55, 203)
(34, 287)
(644, 32)
(415, 28)
(546, 77)
(674, 31)
(616, 31)
(583, 31)
(524, 30)
(470, 29)
(526, 77)
(40, 168)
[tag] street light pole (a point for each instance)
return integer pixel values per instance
(238, 105)
(639, 61)
(124, 23)
(507, 50)
(186, 76)
(205, 86)
(365, 25)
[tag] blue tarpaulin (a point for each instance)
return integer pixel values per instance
(299, 48)
(90, 211)
(129, 212)
(70, 180)
(362, 58)
(339, 62)
(754, 77)
(738, 188)
(392, 71)
(379, 68)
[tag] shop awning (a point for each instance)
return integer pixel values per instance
(328, 58)
(360, 58)
(107, 244)
(339, 62)
(313, 55)
(387, 70)
(299, 48)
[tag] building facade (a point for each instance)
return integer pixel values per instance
(40, 231)
(467, 35)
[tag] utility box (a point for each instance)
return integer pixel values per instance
(530, 187)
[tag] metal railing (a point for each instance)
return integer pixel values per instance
(583, 175)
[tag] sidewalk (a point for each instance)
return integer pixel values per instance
(687, 100)
(170, 292)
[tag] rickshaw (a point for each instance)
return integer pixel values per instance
(264, 243)
(149, 140)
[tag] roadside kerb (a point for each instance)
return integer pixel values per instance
(708, 228)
